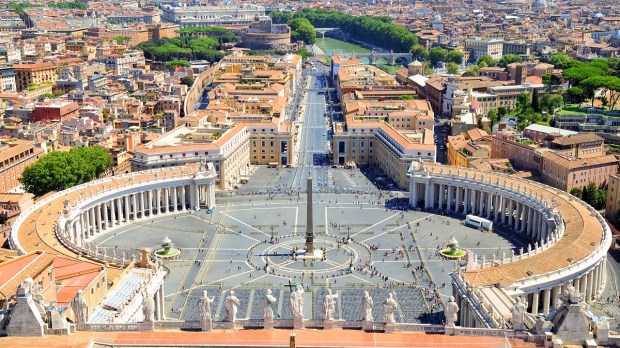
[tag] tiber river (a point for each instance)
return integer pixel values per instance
(330, 46)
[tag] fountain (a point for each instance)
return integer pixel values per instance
(167, 251)
(453, 251)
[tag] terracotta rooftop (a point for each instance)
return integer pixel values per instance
(264, 338)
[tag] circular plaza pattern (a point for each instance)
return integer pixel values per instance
(246, 243)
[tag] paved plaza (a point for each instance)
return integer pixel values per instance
(247, 243)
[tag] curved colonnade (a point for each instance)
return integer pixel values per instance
(85, 211)
(569, 239)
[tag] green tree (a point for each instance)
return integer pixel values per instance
(551, 102)
(535, 101)
(577, 192)
(492, 116)
(551, 80)
(302, 30)
(419, 52)
(487, 60)
(472, 70)
(405, 97)
(453, 68)
(610, 83)
(455, 56)
(437, 55)
(304, 53)
(591, 194)
(58, 171)
(177, 63)
(562, 61)
(376, 30)
(501, 112)
(509, 59)
(523, 102)
(122, 40)
(575, 94)
(579, 73)
(279, 17)
(188, 81)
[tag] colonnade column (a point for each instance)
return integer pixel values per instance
(546, 301)
(457, 203)
(523, 218)
(441, 193)
(166, 204)
(466, 201)
(555, 292)
(113, 212)
(174, 199)
(92, 221)
(497, 207)
(149, 195)
(489, 205)
(158, 200)
(134, 207)
(449, 205)
(535, 300)
(518, 217)
(144, 203)
(530, 221)
(183, 205)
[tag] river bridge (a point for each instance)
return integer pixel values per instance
(373, 57)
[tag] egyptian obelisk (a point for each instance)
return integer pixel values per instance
(309, 222)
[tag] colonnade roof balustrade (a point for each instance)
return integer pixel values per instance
(585, 232)
(34, 228)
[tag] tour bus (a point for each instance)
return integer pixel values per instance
(478, 222)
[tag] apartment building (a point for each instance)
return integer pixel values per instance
(15, 156)
(7, 79)
(468, 146)
(566, 172)
(33, 74)
(207, 16)
(564, 159)
(231, 150)
(479, 47)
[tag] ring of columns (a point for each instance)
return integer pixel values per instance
(64, 222)
(569, 239)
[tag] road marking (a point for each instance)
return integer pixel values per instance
(371, 226)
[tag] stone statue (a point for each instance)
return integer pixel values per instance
(205, 311)
(329, 305)
(268, 304)
(451, 311)
(231, 304)
(297, 303)
(518, 315)
(148, 307)
(80, 308)
(389, 307)
(367, 304)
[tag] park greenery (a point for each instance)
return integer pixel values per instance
(304, 53)
(223, 35)
(599, 78)
(19, 7)
(182, 48)
(438, 54)
(174, 63)
(78, 5)
(57, 171)
(379, 30)
(121, 40)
